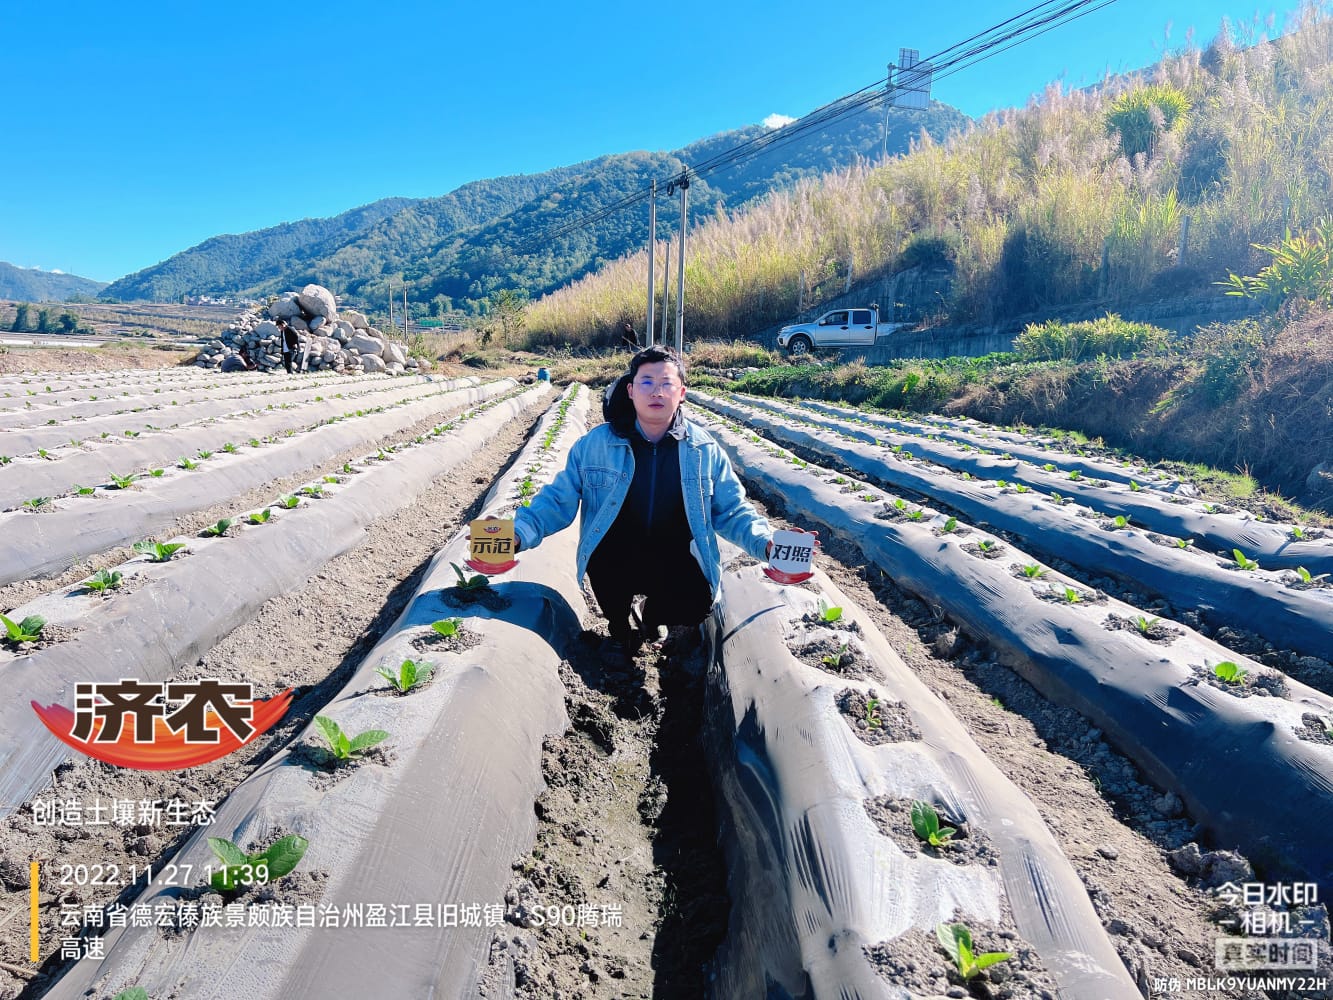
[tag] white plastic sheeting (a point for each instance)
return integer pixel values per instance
(441, 824)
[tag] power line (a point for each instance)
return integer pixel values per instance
(1028, 24)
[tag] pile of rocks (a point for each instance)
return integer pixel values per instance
(345, 343)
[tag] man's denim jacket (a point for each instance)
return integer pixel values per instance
(599, 470)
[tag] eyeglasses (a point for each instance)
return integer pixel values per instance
(647, 385)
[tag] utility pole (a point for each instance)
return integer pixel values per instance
(652, 261)
(404, 310)
(392, 322)
(683, 185)
(666, 293)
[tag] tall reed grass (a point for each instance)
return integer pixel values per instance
(1038, 207)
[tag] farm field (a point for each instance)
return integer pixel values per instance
(1118, 696)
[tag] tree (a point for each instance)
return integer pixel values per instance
(69, 322)
(43, 320)
(21, 312)
(507, 306)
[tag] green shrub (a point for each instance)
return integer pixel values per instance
(1141, 116)
(1110, 335)
(1301, 267)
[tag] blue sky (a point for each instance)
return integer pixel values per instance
(135, 130)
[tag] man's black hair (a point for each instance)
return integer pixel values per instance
(653, 355)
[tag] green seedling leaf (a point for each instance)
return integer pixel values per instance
(84, 491)
(410, 674)
(899, 503)
(313, 490)
(465, 582)
(103, 580)
(1326, 722)
(1121, 521)
(1049, 467)
(1134, 487)
(1072, 596)
(956, 939)
(158, 551)
(828, 612)
(259, 516)
(448, 627)
(836, 660)
(1144, 625)
(230, 448)
(284, 855)
(1184, 543)
(217, 530)
(1243, 561)
(1075, 476)
(347, 468)
(133, 993)
(986, 545)
(185, 463)
(1232, 673)
(254, 442)
(28, 630)
(157, 473)
(1033, 571)
(950, 525)
(916, 515)
(332, 479)
(122, 482)
(1001, 483)
(343, 747)
(873, 719)
(289, 502)
(926, 825)
(1297, 534)
(1020, 488)
(204, 456)
(37, 503)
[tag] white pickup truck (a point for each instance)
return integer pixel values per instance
(838, 328)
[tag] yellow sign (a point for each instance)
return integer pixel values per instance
(492, 545)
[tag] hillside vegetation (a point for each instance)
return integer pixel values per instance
(456, 251)
(31, 285)
(1080, 196)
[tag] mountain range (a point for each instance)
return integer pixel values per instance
(456, 250)
(29, 284)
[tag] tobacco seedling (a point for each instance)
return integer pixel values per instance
(926, 825)
(103, 580)
(313, 490)
(1020, 488)
(967, 475)
(347, 468)
(410, 674)
(345, 748)
(1001, 483)
(1243, 561)
(1326, 723)
(1049, 467)
(42, 452)
(1306, 577)
(288, 502)
(950, 526)
(28, 630)
(259, 516)
(241, 869)
(37, 503)
(6, 459)
(230, 448)
(916, 515)
(1232, 673)
(842, 481)
(1075, 476)
(1134, 487)
(186, 464)
(133, 993)
(254, 442)
(122, 482)
(873, 720)
(1072, 596)
(986, 545)
(131, 434)
(448, 627)
(1121, 521)
(1184, 543)
(1057, 498)
(84, 491)
(157, 473)
(1297, 534)
(1210, 508)
(465, 582)
(217, 530)
(158, 551)
(1033, 571)
(956, 939)
(836, 660)
(332, 479)
(204, 456)
(1144, 625)
(829, 612)
(900, 504)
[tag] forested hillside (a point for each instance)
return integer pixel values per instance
(456, 250)
(28, 284)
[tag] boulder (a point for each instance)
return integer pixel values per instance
(364, 344)
(356, 321)
(346, 329)
(394, 368)
(424, 364)
(266, 329)
(317, 322)
(394, 353)
(317, 300)
(285, 307)
(372, 362)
